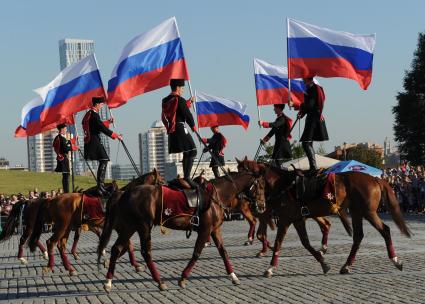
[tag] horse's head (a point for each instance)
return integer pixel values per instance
(256, 195)
(150, 178)
(252, 166)
(200, 179)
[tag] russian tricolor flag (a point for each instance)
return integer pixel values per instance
(315, 51)
(271, 83)
(70, 92)
(147, 63)
(218, 111)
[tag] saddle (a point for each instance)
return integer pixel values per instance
(194, 197)
(310, 187)
(92, 207)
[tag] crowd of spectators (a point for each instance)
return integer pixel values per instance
(408, 183)
(7, 202)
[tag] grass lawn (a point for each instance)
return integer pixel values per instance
(13, 182)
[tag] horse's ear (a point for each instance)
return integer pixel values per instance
(245, 159)
(155, 172)
(237, 160)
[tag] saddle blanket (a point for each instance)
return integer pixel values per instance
(329, 191)
(174, 203)
(92, 207)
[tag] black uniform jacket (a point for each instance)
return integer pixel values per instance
(62, 146)
(93, 126)
(280, 129)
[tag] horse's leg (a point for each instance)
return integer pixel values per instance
(42, 249)
(302, 233)
(51, 243)
(203, 234)
(246, 212)
(262, 233)
(218, 240)
(146, 245)
(96, 230)
(281, 232)
(133, 262)
(325, 226)
(357, 239)
(74, 244)
(64, 255)
(119, 246)
(384, 230)
(27, 232)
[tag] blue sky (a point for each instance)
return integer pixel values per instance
(220, 39)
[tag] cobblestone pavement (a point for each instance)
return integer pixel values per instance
(298, 279)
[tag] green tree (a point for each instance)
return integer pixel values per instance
(409, 125)
(366, 156)
(297, 150)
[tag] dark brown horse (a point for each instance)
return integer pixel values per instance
(357, 192)
(66, 212)
(143, 207)
(28, 209)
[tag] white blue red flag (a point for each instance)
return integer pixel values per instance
(315, 51)
(147, 63)
(218, 111)
(271, 84)
(70, 92)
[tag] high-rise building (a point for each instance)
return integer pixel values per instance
(41, 156)
(71, 51)
(123, 172)
(153, 149)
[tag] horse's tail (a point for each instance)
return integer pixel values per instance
(394, 207)
(107, 228)
(12, 221)
(38, 224)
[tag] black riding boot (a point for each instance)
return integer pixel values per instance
(65, 182)
(309, 151)
(215, 171)
(187, 169)
(101, 172)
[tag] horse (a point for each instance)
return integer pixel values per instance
(28, 209)
(145, 206)
(248, 206)
(266, 217)
(66, 212)
(354, 191)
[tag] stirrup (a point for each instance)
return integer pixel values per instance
(194, 220)
(305, 211)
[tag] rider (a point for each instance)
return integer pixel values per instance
(216, 145)
(175, 113)
(62, 146)
(315, 127)
(93, 148)
(281, 128)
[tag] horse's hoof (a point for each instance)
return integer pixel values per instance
(268, 273)
(397, 263)
(162, 286)
(73, 272)
(140, 268)
(325, 267)
(47, 270)
(108, 286)
(261, 254)
(45, 255)
(182, 282)
(106, 263)
(345, 270)
(23, 261)
(235, 279)
(324, 249)
(207, 244)
(76, 256)
(248, 243)
(103, 252)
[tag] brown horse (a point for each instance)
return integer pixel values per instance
(249, 207)
(143, 207)
(357, 192)
(28, 209)
(66, 212)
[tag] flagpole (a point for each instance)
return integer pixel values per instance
(194, 108)
(287, 60)
(258, 108)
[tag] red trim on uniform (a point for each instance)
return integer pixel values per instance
(57, 146)
(168, 115)
(265, 124)
(106, 123)
(114, 135)
(86, 127)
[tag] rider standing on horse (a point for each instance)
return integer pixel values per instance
(93, 148)
(175, 113)
(315, 127)
(216, 146)
(281, 128)
(62, 146)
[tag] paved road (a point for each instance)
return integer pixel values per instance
(299, 278)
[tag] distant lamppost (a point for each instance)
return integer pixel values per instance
(345, 151)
